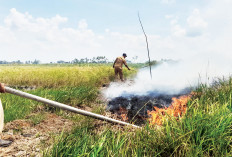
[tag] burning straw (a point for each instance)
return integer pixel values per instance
(177, 109)
(155, 109)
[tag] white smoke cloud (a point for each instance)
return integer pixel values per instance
(172, 78)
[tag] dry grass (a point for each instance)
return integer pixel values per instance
(55, 76)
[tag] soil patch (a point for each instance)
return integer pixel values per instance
(28, 138)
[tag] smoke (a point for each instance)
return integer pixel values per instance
(201, 42)
(173, 78)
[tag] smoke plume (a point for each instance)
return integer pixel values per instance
(173, 78)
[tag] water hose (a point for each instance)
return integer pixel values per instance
(4, 89)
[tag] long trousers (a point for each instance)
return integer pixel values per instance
(118, 71)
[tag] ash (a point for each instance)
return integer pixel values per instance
(137, 106)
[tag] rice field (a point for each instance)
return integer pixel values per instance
(73, 84)
(54, 77)
(205, 129)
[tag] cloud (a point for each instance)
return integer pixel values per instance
(204, 32)
(196, 21)
(6, 35)
(20, 21)
(82, 24)
(27, 38)
(196, 24)
(169, 16)
(178, 31)
(168, 1)
(47, 39)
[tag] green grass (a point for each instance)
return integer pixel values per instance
(205, 130)
(16, 107)
(37, 118)
(84, 142)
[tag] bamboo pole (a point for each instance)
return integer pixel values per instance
(148, 53)
(65, 107)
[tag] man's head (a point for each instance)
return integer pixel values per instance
(124, 55)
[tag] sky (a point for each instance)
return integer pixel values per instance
(67, 29)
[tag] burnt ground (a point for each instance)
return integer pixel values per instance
(136, 107)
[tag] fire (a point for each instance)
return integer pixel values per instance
(176, 109)
(123, 113)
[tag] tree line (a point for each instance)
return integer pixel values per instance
(98, 59)
(20, 62)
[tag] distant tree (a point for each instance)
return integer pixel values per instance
(36, 62)
(15, 62)
(60, 62)
(28, 62)
(3, 62)
(153, 62)
(98, 59)
(19, 62)
(135, 59)
(101, 59)
(86, 60)
(94, 60)
(128, 61)
(82, 60)
(75, 61)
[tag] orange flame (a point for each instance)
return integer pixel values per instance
(176, 109)
(123, 113)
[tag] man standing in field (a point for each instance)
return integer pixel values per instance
(118, 63)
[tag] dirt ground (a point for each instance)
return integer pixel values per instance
(28, 139)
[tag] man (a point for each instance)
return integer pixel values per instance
(118, 63)
(3, 143)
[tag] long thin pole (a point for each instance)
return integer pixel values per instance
(65, 107)
(147, 44)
